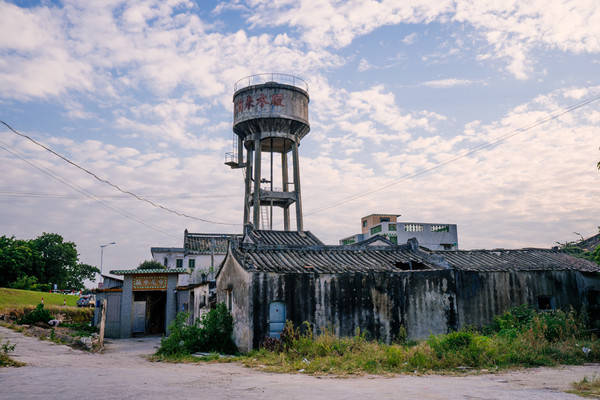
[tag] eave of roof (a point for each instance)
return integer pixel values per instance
(149, 271)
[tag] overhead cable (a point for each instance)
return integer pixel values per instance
(107, 182)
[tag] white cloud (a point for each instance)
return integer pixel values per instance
(446, 83)
(511, 28)
(410, 39)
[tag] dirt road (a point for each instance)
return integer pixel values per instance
(59, 372)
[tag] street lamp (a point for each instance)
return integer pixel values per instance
(102, 246)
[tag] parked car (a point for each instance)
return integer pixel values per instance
(88, 300)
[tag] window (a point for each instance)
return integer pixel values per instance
(440, 228)
(229, 300)
(545, 303)
(166, 262)
(348, 241)
(391, 227)
(447, 246)
(384, 219)
(413, 228)
(364, 223)
(393, 239)
(192, 263)
(179, 263)
(375, 229)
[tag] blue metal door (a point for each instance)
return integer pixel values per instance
(276, 319)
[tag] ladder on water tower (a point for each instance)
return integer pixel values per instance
(264, 217)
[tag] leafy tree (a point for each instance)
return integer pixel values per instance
(79, 273)
(57, 258)
(151, 264)
(37, 263)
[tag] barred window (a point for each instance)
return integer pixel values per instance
(413, 228)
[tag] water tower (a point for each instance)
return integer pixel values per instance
(270, 117)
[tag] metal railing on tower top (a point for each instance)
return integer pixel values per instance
(270, 77)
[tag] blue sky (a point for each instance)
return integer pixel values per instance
(140, 92)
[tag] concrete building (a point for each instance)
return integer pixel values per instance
(434, 236)
(378, 286)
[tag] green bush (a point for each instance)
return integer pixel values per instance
(212, 333)
(39, 314)
(151, 264)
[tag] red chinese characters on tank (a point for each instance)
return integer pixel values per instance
(260, 101)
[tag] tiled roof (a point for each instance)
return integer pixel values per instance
(396, 258)
(207, 243)
(590, 243)
(515, 260)
(149, 271)
(328, 259)
(287, 238)
(166, 249)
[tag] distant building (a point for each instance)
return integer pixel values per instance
(434, 236)
(200, 250)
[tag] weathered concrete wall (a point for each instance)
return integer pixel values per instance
(235, 280)
(379, 304)
(483, 295)
(127, 306)
(171, 305)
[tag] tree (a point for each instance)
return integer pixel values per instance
(57, 258)
(79, 273)
(42, 261)
(151, 264)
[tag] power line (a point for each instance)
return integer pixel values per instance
(107, 182)
(467, 153)
(81, 190)
(8, 193)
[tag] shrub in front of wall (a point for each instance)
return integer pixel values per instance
(39, 314)
(212, 333)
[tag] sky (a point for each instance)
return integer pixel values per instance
(443, 111)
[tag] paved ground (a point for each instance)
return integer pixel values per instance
(59, 372)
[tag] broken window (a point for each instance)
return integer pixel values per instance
(545, 303)
(411, 266)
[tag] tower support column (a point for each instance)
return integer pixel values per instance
(284, 180)
(247, 187)
(296, 162)
(257, 161)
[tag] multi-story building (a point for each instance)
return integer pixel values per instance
(434, 236)
(200, 251)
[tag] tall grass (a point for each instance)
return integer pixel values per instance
(518, 338)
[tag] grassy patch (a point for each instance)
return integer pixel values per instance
(5, 359)
(17, 298)
(587, 387)
(519, 338)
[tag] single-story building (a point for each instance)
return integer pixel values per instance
(383, 288)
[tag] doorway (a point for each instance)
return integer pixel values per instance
(150, 306)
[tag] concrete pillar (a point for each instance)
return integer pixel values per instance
(127, 307)
(284, 179)
(296, 161)
(248, 175)
(257, 160)
(171, 306)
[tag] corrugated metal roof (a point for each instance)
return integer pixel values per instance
(149, 271)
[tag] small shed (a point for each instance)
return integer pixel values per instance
(144, 303)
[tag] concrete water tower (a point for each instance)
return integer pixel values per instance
(270, 116)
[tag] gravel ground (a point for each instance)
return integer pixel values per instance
(59, 372)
